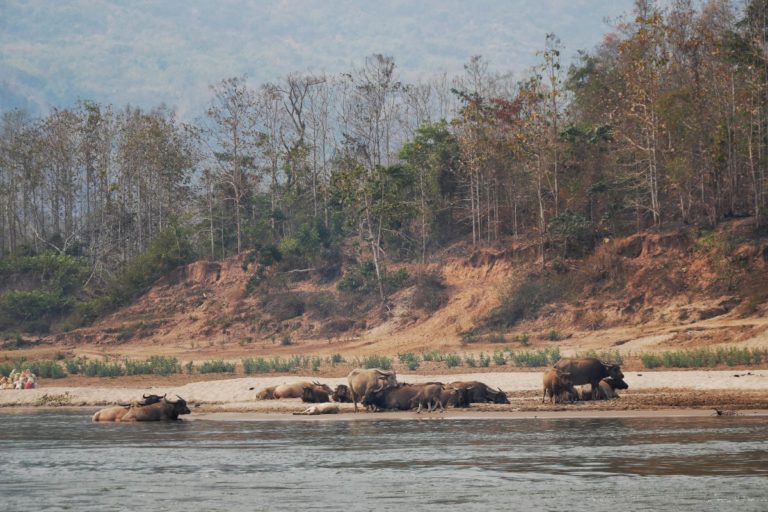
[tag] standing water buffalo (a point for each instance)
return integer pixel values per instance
(588, 370)
(481, 393)
(557, 384)
(429, 395)
(361, 381)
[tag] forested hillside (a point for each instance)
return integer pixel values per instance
(352, 180)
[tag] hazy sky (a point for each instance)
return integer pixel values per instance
(169, 51)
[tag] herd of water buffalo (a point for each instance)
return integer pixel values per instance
(377, 390)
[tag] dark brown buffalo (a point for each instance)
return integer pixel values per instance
(607, 389)
(398, 397)
(316, 393)
(455, 397)
(363, 380)
(403, 397)
(159, 411)
(481, 393)
(589, 370)
(557, 385)
(342, 394)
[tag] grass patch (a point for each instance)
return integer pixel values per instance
(256, 365)
(376, 361)
(534, 358)
(217, 366)
(705, 358)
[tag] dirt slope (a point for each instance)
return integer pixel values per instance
(651, 291)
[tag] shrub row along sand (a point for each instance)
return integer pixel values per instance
(735, 389)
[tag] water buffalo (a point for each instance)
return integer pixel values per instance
(319, 409)
(429, 395)
(481, 393)
(114, 413)
(588, 370)
(363, 380)
(557, 384)
(342, 394)
(267, 393)
(608, 386)
(398, 397)
(296, 390)
(159, 411)
(456, 397)
(316, 393)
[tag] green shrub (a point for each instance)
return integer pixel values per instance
(499, 358)
(257, 365)
(452, 360)
(704, 357)
(470, 360)
(376, 361)
(155, 365)
(485, 361)
(337, 359)
(409, 359)
(430, 293)
(45, 369)
(534, 358)
(217, 366)
(393, 281)
(433, 356)
(316, 361)
(102, 369)
(650, 361)
(525, 300)
(284, 306)
(33, 305)
(553, 336)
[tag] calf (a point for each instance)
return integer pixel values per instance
(557, 384)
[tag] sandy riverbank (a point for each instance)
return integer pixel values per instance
(649, 390)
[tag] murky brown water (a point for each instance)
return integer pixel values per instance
(59, 460)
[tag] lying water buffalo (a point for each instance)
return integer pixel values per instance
(456, 397)
(296, 390)
(114, 413)
(589, 370)
(267, 393)
(480, 392)
(342, 394)
(398, 397)
(403, 397)
(316, 393)
(363, 380)
(557, 384)
(159, 411)
(606, 389)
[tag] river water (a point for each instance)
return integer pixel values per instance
(59, 460)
